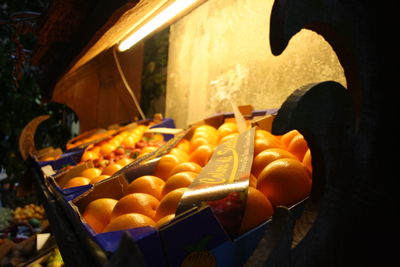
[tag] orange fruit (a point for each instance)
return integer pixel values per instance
(227, 128)
(89, 155)
(107, 148)
(99, 178)
(258, 209)
(196, 142)
(164, 220)
(252, 181)
(202, 154)
(298, 146)
(211, 137)
(307, 160)
(112, 168)
(124, 161)
(184, 145)
(178, 180)
(129, 141)
(206, 128)
(136, 203)
(260, 133)
(146, 150)
(186, 166)
(265, 142)
(148, 184)
(284, 182)
(182, 155)
(98, 213)
(265, 157)
(165, 166)
(287, 137)
(47, 158)
(77, 181)
(128, 221)
(227, 137)
(169, 203)
(90, 173)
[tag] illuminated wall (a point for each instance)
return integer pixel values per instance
(220, 53)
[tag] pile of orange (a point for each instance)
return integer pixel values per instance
(124, 145)
(280, 175)
(112, 154)
(89, 176)
(283, 170)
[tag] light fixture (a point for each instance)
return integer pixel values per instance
(169, 12)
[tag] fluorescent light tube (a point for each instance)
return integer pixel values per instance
(156, 22)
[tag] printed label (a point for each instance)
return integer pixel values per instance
(224, 181)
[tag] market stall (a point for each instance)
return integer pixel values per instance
(284, 183)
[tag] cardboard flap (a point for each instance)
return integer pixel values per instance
(113, 187)
(64, 177)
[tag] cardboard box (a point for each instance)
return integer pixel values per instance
(70, 158)
(56, 181)
(194, 236)
(78, 142)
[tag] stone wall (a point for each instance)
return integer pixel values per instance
(220, 53)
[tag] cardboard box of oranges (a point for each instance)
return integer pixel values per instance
(211, 194)
(100, 160)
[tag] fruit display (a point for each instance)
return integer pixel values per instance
(280, 175)
(28, 212)
(113, 153)
(88, 137)
(126, 144)
(5, 217)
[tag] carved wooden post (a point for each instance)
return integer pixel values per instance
(349, 219)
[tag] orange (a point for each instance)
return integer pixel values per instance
(186, 166)
(47, 158)
(148, 184)
(146, 150)
(202, 154)
(124, 161)
(77, 181)
(264, 134)
(252, 181)
(265, 157)
(207, 128)
(263, 142)
(99, 178)
(90, 173)
(179, 180)
(164, 220)
(284, 182)
(88, 155)
(129, 141)
(196, 142)
(169, 203)
(112, 168)
(227, 128)
(307, 160)
(128, 221)
(98, 213)
(227, 137)
(211, 137)
(165, 166)
(258, 209)
(182, 155)
(298, 146)
(287, 137)
(184, 145)
(136, 203)
(107, 148)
